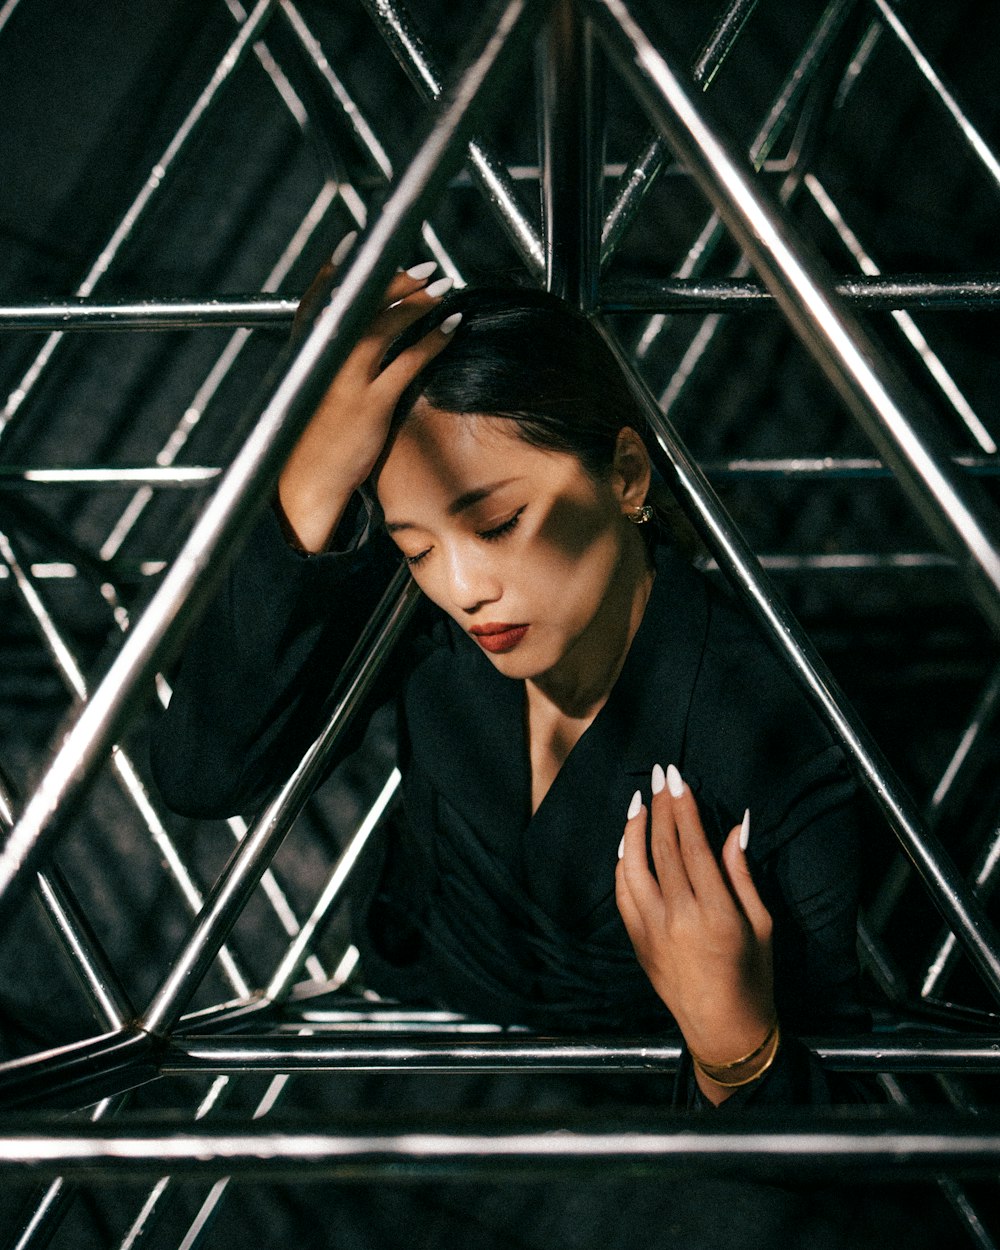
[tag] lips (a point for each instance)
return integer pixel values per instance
(498, 638)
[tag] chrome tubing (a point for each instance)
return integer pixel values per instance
(187, 477)
(285, 408)
(401, 35)
(874, 391)
(148, 314)
(961, 910)
(250, 858)
(222, 75)
(973, 1055)
(892, 1144)
(571, 152)
(809, 468)
(728, 25)
(972, 293)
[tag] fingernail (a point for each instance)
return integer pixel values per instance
(635, 805)
(675, 783)
(745, 831)
(438, 288)
(423, 270)
(343, 247)
(449, 324)
(621, 847)
(657, 781)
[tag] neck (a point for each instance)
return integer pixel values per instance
(580, 683)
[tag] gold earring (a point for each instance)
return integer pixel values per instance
(641, 514)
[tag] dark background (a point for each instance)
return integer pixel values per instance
(91, 95)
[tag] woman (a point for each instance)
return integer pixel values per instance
(572, 693)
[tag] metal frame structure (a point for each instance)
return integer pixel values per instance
(269, 1025)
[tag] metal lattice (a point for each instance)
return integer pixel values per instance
(761, 192)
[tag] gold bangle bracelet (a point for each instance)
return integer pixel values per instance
(774, 1034)
(709, 1068)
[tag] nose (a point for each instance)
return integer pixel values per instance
(473, 580)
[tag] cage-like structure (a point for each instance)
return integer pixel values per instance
(736, 193)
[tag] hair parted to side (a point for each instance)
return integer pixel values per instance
(528, 356)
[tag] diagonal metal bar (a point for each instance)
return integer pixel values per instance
(126, 774)
(638, 180)
(281, 982)
(961, 910)
(285, 408)
(251, 857)
(221, 76)
(969, 132)
(400, 33)
(875, 392)
(728, 26)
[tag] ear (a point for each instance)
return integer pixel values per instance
(631, 472)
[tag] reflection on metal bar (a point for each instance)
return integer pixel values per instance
(972, 293)
(124, 769)
(291, 963)
(945, 957)
(186, 477)
(903, 1144)
(52, 1204)
(243, 489)
(850, 562)
(720, 43)
(571, 147)
(633, 188)
(982, 717)
(968, 131)
(283, 1053)
(251, 857)
(962, 911)
(913, 334)
(82, 314)
(7, 11)
(400, 33)
(878, 395)
(314, 218)
(817, 467)
(954, 1193)
(221, 77)
(152, 1204)
(121, 1058)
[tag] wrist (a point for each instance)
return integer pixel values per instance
(745, 1068)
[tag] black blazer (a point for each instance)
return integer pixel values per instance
(475, 903)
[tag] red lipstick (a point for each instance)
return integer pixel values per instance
(498, 638)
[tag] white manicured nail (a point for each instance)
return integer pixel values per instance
(621, 847)
(657, 782)
(438, 288)
(745, 831)
(343, 247)
(635, 805)
(675, 783)
(449, 324)
(423, 270)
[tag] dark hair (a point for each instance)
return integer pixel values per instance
(529, 356)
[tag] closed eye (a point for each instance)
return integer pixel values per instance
(505, 527)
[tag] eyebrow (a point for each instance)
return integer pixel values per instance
(460, 504)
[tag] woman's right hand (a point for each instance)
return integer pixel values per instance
(346, 435)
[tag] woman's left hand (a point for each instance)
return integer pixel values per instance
(700, 932)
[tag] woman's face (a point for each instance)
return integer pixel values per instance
(519, 545)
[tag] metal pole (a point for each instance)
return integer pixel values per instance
(223, 73)
(873, 390)
(147, 314)
(228, 515)
(571, 155)
(815, 468)
(401, 34)
(973, 1055)
(251, 857)
(968, 293)
(892, 1144)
